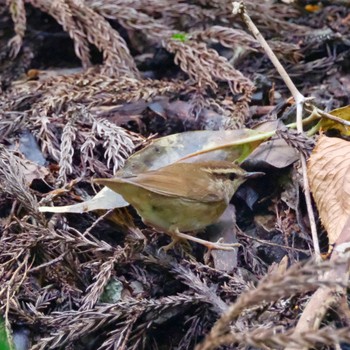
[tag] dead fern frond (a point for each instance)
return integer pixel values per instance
(50, 144)
(85, 26)
(274, 338)
(297, 140)
(14, 182)
(233, 38)
(75, 122)
(233, 285)
(95, 290)
(200, 287)
(205, 66)
(89, 88)
(235, 113)
(119, 336)
(226, 36)
(18, 15)
(11, 122)
(118, 144)
(196, 326)
(297, 279)
(130, 18)
(184, 15)
(268, 15)
(61, 11)
(66, 148)
(117, 58)
(87, 152)
(67, 327)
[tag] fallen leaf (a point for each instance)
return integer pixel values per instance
(276, 153)
(105, 199)
(329, 176)
(192, 146)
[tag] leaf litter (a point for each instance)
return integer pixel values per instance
(84, 85)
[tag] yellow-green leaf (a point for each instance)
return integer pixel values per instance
(326, 124)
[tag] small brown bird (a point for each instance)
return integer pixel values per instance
(182, 196)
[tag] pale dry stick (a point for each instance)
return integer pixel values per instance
(239, 8)
(263, 241)
(323, 114)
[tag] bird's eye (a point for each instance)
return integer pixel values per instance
(232, 176)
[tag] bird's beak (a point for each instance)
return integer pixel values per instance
(253, 175)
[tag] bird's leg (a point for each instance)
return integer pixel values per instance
(210, 245)
(174, 240)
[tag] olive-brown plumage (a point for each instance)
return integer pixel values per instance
(181, 196)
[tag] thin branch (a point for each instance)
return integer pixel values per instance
(323, 114)
(239, 8)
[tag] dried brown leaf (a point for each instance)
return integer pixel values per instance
(329, 176)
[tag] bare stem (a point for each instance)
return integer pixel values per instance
(239, 8)
(330, 116)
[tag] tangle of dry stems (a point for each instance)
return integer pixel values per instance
(297, 279)
(72, 325)
(273, 338)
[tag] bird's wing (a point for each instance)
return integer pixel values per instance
(188, 185)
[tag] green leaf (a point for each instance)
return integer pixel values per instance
(4, 342)
(180, 36)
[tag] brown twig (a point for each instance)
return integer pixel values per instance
(263, 241)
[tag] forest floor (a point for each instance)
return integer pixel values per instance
(85, 85)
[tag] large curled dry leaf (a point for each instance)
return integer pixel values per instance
(329, 176)
(191, 146)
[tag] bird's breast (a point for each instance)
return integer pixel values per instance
(169, 213)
